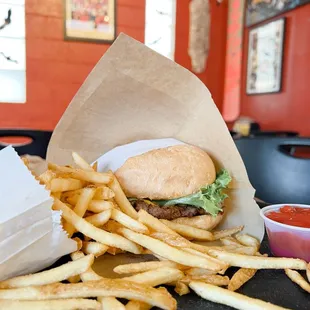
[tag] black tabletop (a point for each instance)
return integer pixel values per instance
(269, 285)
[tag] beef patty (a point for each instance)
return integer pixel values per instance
(168, 212)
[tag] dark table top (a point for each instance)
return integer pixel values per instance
(269, 285)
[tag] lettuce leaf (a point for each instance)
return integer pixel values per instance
(210, 197)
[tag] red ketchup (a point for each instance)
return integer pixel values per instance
(293, 216)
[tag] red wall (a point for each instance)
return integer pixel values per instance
(213, 76)
(56, 68)
(289, 109)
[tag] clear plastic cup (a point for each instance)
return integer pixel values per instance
(286, 240)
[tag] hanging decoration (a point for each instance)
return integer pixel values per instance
(199, 34)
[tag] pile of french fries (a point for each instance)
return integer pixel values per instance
(94, 206)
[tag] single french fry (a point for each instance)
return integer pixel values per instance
(63, 185)
(109, 303)
(240, 277)
(103, 193)
(226, 233)
(199, 272)
(207, 256)
(189, 231)
(146, 266)
(128, 222)
(95, 233)
(225, 297)
(99, 219)
(88, 176)
(46, 177)
(154, 223)
(102, 288)
(80, 208)
(214, 279)
(137, 305)
(165, 250)
(62, 304)
(258, 262)
(156, 277)
(98, 206)
(248, 240)
(95, 248)
(121, 198)
(246, 250)
(173, 240)
(297, 278)
(54, 275)
(308, 272)
(181, 288)
(81, 162)
(89, 274)
(230, 241)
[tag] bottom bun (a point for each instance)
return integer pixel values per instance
(206, 222)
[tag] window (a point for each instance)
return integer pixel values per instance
(12, 51)
(160, 18)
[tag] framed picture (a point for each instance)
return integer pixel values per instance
(90, 20)
(260, 10)
(265, 52)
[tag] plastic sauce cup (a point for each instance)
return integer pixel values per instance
(286, 240)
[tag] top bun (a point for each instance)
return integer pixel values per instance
(166, 173)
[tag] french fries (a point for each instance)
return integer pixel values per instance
(81, 163)
(248, 240)
(297, 278)
(226, 233)
(95, 233)
(95, 248)
(93, 204)
(80, 207)
(154, 223)
(80, 174)
(240, 277)
(99, 219)
(258, 262)
(121, 198)
(137, 305)
(102, 288)
(67, 304)
(146, 266)
(60, 273)
(213, 279)
(189, 231)
(156, 277)
(128, 222)
(229, 298)
(62, 185)
(169, 252)
(108, 303)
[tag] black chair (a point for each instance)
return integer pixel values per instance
(37, 145)
(278, 172)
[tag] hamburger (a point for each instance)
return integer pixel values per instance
(177, 183)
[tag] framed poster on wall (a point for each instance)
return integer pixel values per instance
(265, 53)
(260, 10)
(87, 20)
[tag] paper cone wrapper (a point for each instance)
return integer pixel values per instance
(136, 95)
(31, 235)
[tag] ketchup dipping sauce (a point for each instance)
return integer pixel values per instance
(288, 229)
